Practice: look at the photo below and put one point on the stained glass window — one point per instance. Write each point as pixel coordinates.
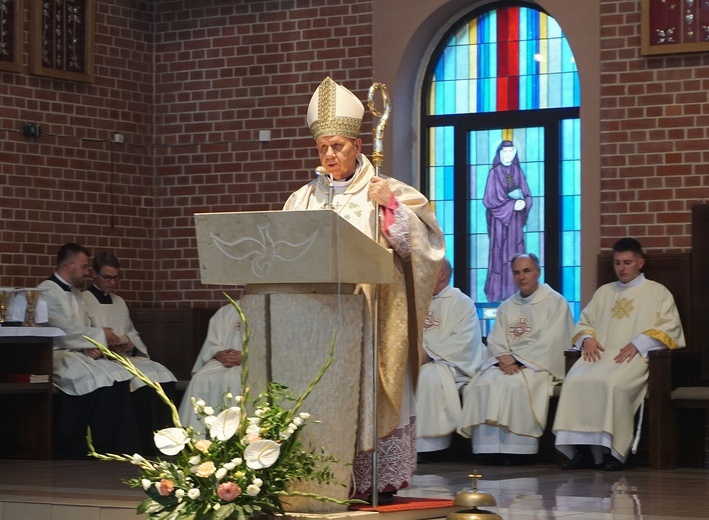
(504, 81)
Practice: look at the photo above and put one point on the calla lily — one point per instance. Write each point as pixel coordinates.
(171, 441)
(226, 424)
(262, 454)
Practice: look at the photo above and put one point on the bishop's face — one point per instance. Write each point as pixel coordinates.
(338, 155)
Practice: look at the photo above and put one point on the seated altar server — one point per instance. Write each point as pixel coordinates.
(93, 391)
(106, 309)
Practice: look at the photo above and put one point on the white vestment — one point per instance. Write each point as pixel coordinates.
(75, 373)
(599, 399)
(117, 317)
(418, 243)
(453, 340)
(210, 378)
(508, 413)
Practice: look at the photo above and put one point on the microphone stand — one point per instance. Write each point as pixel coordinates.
(322, 172)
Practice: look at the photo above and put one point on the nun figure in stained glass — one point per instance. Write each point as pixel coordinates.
(508, 201)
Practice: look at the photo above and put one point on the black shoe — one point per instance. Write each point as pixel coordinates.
(385, 498)
(583, 459)
(516, 459)
(610, 463)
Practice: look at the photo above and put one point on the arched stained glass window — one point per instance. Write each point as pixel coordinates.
(501, 150)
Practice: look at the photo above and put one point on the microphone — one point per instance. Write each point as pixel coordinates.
(322, 172)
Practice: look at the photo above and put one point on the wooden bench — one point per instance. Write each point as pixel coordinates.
(679, 381)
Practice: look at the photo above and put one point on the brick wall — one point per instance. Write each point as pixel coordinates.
(654, 135)
(223, 73)
(73, 183)
(189, 88)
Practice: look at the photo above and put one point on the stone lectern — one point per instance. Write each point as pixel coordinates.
(301, 269)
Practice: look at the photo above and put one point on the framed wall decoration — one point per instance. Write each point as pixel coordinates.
(673, 26)
(11, 36)
(62, 39)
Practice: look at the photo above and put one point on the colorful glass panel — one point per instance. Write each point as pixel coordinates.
(507, 59)
(512, 58)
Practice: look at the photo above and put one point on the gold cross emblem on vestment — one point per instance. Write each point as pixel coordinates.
(622, 308)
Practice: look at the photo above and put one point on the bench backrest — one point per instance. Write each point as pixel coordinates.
(173, 336)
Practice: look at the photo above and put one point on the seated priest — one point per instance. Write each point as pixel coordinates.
(218, 366)
(605, 388)
(505, 405)
(453, 343)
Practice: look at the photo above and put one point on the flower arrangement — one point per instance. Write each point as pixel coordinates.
(242, 467)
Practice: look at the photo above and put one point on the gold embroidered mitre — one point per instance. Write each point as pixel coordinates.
(334, 110)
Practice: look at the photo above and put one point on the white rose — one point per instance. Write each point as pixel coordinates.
(229, 466)
(193, 493)
(146, 484)
(180, 493)
(258, 482)
(194, 460)
(252, 490)
(209, 410)
(221, 472)
(237, 461)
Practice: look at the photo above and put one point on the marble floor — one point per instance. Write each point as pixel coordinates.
(93, 490)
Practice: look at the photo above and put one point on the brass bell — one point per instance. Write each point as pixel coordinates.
(474, 500)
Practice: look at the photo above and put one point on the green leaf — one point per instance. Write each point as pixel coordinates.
(149, 506)
(224, 512)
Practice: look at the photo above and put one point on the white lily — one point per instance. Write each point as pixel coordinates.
(262, 454)
(171, 441)
(226, 424)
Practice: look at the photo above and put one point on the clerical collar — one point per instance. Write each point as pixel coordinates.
(60, 282)
(342, 184)
(530, 298)
(101, 296)
(634, 282)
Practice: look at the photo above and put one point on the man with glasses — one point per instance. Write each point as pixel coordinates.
(93, 392)
(108, 310)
